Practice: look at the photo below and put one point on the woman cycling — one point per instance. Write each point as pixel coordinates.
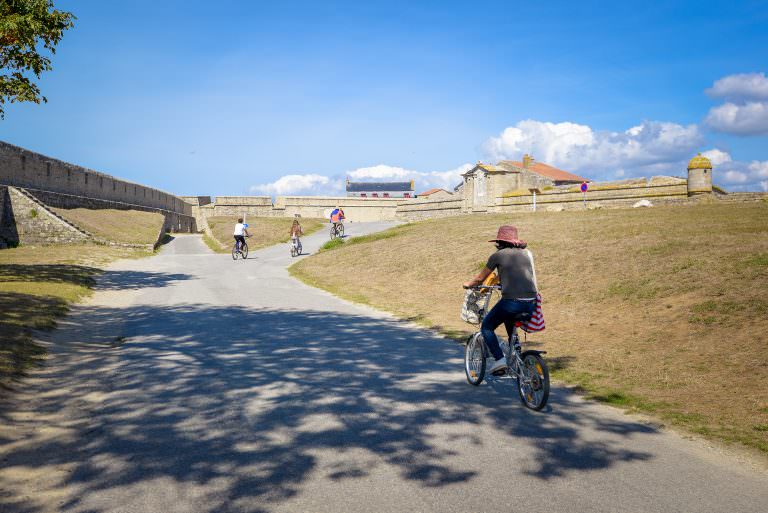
(518, 288)
(296, 232)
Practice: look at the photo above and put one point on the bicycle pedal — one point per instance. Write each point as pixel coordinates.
(499, 372)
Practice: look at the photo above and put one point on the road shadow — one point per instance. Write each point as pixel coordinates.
(21, 313)
(87, 276)
(204, 395)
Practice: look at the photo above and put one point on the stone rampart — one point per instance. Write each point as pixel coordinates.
(356, 209)
(416, 210)
(27, 221)
(598, 196)
(23, 168)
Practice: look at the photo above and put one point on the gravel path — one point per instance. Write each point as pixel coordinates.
(193, 383)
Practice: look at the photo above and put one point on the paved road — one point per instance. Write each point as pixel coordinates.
(193, 383)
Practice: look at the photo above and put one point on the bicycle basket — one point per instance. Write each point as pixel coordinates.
(472, 308)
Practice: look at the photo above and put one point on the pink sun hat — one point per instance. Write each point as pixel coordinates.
(508, 233)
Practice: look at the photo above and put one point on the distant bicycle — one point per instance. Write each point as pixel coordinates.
(296, 247)
(527, 367)
(337, 230)
(240, 250)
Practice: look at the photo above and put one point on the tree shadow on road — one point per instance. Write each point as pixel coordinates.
(242, 401)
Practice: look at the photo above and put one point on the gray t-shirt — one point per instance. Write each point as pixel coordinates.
(515, 268)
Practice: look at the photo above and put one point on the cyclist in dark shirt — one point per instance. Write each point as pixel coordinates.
(514, 264)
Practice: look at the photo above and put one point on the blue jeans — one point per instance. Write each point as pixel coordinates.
(505, 311)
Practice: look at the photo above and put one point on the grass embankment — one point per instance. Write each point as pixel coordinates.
(661, 310)
(124, 226)
(265, 231)
(36, 286)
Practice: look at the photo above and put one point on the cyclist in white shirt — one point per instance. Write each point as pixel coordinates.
(241, 232)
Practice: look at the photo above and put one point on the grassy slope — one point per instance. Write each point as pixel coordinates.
(265, 231)
(128, 226)
(36, 286)
(664, 310)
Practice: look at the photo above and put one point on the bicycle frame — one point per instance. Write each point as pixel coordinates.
(507, 347)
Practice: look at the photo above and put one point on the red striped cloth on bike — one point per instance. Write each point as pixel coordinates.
(536, 323)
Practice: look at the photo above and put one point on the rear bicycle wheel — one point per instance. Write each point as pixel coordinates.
(235, 252)
(533, 381)
(299, 249)
(244, 251)
(474, 359)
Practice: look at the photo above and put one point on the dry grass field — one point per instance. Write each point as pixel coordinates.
(265, 231)
(36, 286)
(661, 310)
(127, 226)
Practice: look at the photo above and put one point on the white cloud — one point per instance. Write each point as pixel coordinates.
(742, 176)
(320, 185)
(717, 157)
(741, 87)
(650, 147)
(745, 111)
(433, 179)
(758, 168)
(735, 177)
(741, 119)
(296, 184)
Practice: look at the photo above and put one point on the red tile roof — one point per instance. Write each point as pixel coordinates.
(430, 191)
(548, 171)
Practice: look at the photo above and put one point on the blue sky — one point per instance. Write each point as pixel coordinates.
(237, 97)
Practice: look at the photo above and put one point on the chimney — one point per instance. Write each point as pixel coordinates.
(528, 161)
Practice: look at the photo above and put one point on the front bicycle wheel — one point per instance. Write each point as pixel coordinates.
(533, 381)
(474, 359)
(299, 249)
(244, 251)
(340, 231)
(333, 232)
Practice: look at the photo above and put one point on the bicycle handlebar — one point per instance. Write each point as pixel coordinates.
(485, 287)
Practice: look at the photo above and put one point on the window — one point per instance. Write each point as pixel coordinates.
(101, 182)
(406, 195)
(363, 195)
(86, 178)
(48, 169)
(386, 195)
(375, 194)
(23, 162)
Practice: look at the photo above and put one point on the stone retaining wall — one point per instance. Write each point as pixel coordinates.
(356, 209)
(174, 221)
(26, 221)
(26, 169)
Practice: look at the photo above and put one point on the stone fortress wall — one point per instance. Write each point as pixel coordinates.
(660, 190)
(356, 209)
(56, 183)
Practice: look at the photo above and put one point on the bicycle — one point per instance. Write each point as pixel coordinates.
(296, 248)
(527, 367)
(337, 230)
(237, 250)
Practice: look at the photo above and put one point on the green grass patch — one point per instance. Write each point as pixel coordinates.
(332, 244)
(213, 244)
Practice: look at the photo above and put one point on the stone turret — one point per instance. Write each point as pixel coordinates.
(699, 175)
